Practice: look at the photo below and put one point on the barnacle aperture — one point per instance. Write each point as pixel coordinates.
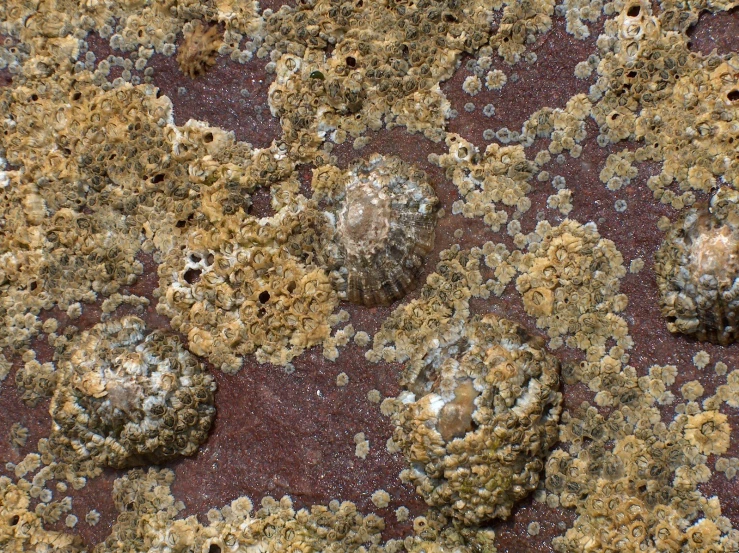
(697, 270)
(477, 422)
(124, 398)
(384, 218)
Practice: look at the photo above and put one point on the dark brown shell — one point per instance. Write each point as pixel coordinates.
(384, 220)
(697, 270)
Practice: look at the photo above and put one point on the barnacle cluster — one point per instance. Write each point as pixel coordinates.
(570, 281)
(389, 68)
(641, 493)
(258, 288)
(415, 328)
(384, 219)
(500, 177)
(680, 105)
(96, 178)
(697, 270)
(147, 523)
(125, 398)
(477, 422)
(22, 528)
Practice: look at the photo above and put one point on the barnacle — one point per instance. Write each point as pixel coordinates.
(384, 221)
(709, 430)
(476, 423)
(199, 49)
(697, 270)
(124, 398)
(18, 435)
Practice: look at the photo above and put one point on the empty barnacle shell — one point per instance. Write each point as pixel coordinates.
(697, 270)
(124, 398)
(384, 220)
(477, 422)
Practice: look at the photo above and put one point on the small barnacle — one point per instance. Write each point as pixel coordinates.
(18, 435)
(697, 270)
(636, 265)
(362, 446)
(5, 366)
(92, 517)
(559, 182)
(70, 521)
(701, 359)
(472, 85)
(495, 79)
(583, 70)
(362, 339)
(692, 390)
(709, 431)
(199, 49)
(381, 499)
(374, 396)
(384, 223)
(124, 398)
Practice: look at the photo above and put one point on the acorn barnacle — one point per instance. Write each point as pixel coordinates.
(697, 270)
(199, 49)
(125, 398)
(478, 420)
(384, 220)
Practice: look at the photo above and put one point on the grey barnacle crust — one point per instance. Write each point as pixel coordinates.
(125, 398)
(479, 420)
(384, 219)
(697, 270)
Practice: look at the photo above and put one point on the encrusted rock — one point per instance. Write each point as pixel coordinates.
(125, 399)
(384, 218)
(22, 526)
(478, 420)
(697, 269)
